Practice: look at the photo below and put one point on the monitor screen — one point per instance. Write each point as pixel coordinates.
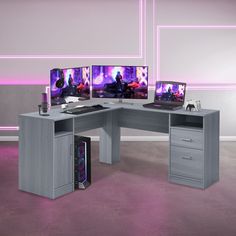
(69, 85)
(128, 82)
(170, 92)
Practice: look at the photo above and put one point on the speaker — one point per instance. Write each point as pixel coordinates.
(44, 105)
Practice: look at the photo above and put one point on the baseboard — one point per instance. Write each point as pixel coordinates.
(227, 138)
(138, 138)
(145, 138)
(130, 138)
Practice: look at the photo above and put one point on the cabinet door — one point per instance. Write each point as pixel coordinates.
(63, 157)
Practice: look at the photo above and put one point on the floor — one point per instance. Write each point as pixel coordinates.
(132, 197)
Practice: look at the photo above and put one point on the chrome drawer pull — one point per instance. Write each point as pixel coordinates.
(187, 158)
(187, 140)
(71, 150)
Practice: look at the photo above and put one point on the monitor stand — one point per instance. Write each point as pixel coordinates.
(120, 102)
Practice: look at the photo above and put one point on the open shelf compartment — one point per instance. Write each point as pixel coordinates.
(63, 126)
(186, 121)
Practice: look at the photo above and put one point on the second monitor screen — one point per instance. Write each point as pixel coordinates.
(129, 82)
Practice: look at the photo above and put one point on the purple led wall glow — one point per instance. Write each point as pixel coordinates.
(71, 56)
(23, 80)
(154, 42)
(215, 86)
(143, 32)
(9, 128)
(194, 86)
(205, 87)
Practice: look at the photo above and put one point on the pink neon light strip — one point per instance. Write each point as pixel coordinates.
(230, 86)
(197, 26)
(140, 56)
(23, 81)
(143, 33)
(208, 87)
(69, 57)
(200, 86)
(9, 128)
(141, 28)
(154, 40)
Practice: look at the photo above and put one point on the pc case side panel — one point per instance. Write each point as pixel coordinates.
(82, 162)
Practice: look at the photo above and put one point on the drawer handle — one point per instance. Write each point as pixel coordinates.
(187, 158)
(71, 150)
(187, 140)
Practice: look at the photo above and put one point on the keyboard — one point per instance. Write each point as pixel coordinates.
(84, 109)
(162, 107)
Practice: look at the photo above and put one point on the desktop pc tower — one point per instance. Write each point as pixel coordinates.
(82, 162)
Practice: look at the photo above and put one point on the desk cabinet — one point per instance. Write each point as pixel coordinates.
(45, 156)
(186, 155)
(63, 161)
(194, 153)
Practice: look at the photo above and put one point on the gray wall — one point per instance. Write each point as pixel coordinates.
(109, 32)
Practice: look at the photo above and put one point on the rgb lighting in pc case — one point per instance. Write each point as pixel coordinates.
(82, 162)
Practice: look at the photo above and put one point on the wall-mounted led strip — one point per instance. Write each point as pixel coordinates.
(9, 128)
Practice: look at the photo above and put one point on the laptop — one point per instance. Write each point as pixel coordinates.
(169, 95)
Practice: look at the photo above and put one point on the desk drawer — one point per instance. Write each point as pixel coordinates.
(186, 162)
(186, 138)
(144, 120)
(90, 121)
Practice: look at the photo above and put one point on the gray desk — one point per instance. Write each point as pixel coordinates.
(46, 144)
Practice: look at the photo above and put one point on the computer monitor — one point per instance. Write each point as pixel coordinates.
(69, 85)
(122, 82)
(170, 92)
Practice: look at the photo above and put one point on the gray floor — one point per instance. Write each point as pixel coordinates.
(132, 197)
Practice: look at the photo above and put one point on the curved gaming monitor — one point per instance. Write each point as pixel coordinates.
(122, 82)
(69, 85)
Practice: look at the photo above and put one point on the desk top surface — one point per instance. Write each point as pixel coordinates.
(56, 113)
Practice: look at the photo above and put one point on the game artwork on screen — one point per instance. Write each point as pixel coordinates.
(170, 92)
(69, 83)
(129, 82)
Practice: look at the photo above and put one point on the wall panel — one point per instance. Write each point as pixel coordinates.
(57, 27)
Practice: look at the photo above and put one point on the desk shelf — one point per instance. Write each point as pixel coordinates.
(188, 121)
(63, 126)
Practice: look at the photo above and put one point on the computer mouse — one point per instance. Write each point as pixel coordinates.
(97, 106)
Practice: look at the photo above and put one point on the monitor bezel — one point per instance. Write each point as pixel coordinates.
(91, 81)
(156, 101)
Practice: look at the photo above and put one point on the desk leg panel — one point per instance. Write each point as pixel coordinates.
(36, 156)
(109, 149)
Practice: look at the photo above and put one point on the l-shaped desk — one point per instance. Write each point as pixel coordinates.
(46, 144)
